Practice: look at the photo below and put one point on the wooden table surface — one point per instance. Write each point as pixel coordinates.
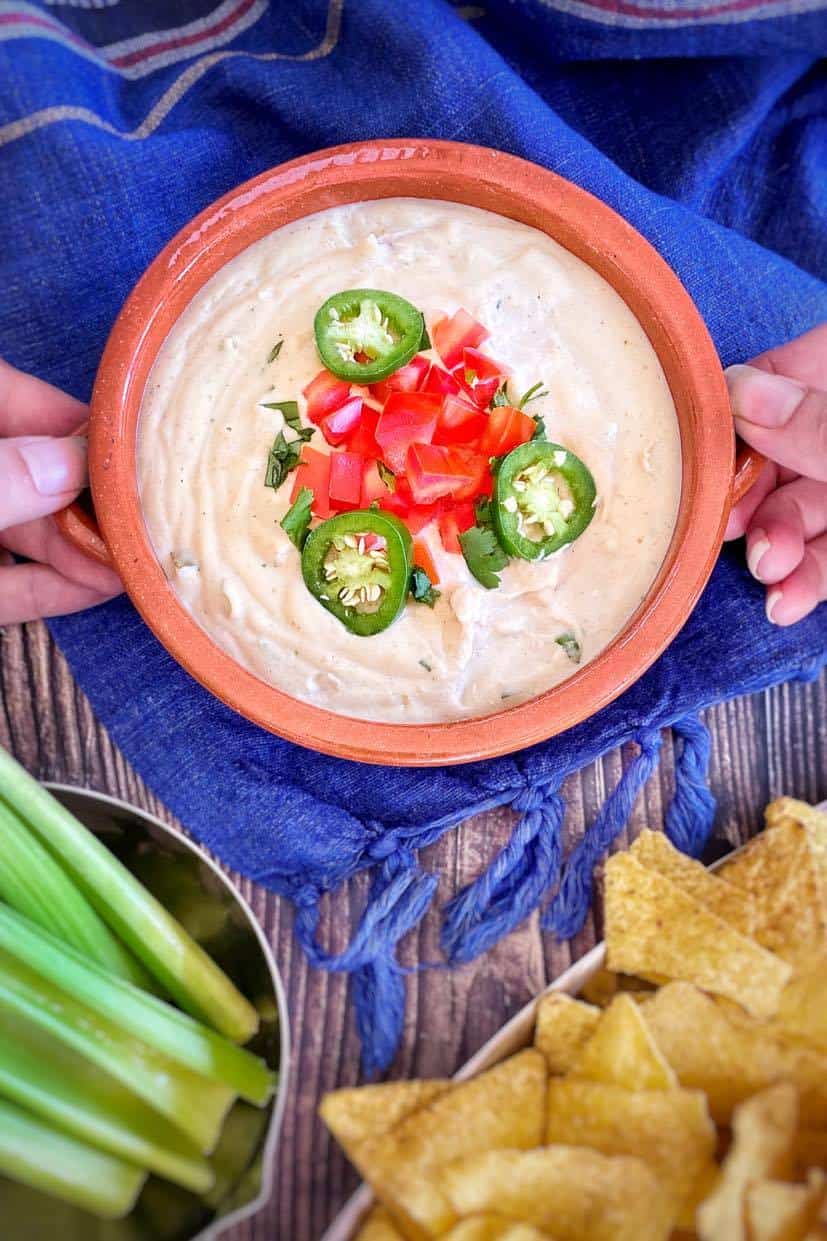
(766, 745)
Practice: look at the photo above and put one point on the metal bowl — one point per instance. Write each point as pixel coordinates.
(192, 887)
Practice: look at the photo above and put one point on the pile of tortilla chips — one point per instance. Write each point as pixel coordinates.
(684, 1094)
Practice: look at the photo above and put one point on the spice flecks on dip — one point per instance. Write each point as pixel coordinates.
(246, 343)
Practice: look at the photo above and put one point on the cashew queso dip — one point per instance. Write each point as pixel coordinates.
(247, 342)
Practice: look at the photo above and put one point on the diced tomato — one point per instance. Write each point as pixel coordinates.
(454, 522)
(507, 428)
(346, 478)
(449, 532)
(313, 471)
(465, 515)
(407, 379)
(363, 439)
(343, 422)
(418, 516)
(441, 381)
(435, 471)
(424, 559)
(459, 422)
(373, 486)
(324, 394)
(451, 336)
(479, 376)
(478, 468)
(407, 418)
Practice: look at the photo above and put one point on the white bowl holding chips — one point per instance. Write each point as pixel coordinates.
(516, 1035)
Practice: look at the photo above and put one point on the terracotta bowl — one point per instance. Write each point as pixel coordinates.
(454, 172)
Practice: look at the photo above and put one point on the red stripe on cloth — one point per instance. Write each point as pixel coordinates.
(667, 15)
(167, 45)
(29, 19)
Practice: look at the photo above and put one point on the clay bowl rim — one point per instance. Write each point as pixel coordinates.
(517, 189)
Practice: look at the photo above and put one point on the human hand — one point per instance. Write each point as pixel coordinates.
(42, 467)
(780, 405)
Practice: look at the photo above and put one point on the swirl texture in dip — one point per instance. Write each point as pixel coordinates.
(204, 437)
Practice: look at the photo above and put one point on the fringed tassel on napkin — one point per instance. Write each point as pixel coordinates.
(688, 819)
(567, 912)
(400, 893)
(509, 890)
(515, 882)
(690, 814)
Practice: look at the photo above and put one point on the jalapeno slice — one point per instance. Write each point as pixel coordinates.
(370, 324)
(358, 566)
(544, 499)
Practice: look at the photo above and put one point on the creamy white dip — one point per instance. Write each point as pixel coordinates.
(204, 437)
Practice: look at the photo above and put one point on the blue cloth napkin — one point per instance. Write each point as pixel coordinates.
(120, 120)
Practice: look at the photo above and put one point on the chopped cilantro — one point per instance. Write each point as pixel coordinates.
(289, 409)
(276, 350)
(532, 394)
(285, 454)
(571, 646)
(424, 340)
(422, 588)
(483, 555)
(482, 512)
(539, 429)
(388, 477)
(282, 458)
(501, 397)
(296, 520)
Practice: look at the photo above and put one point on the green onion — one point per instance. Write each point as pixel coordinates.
(157, 1024)
(242, 1135)
(34, 883)
(55, 1083)
(188, 974)
(194, 1105)
(57, 1164)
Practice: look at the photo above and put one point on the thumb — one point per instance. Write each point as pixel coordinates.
(781, 418)
(40, 475)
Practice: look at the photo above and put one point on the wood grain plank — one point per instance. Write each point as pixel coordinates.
(768, 744)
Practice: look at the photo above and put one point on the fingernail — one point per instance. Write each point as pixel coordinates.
(772, 600)
(761, 398)
(56, 465)
(758, 545)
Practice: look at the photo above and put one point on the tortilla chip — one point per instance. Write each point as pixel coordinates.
(654, 851)
(763, 1130)
(785, 809)
(778, 1211)
(503, 1107)
(563, 1028)
(574, 1193)
(731, 1057)
(670, 1130)
(654, 929)
(359, 1112)
(495, 1228)
(802, 1011)
(601, 988)
(810, 1150)
(623, 1052)
(705, 1185)
(780, 871)
(378, 1226)
(604, 985)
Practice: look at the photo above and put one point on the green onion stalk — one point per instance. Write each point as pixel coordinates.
(162, 1027)
(33, 882)
(191, 1103)
(186, 972)
(54, 1082)
(55, 1163)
